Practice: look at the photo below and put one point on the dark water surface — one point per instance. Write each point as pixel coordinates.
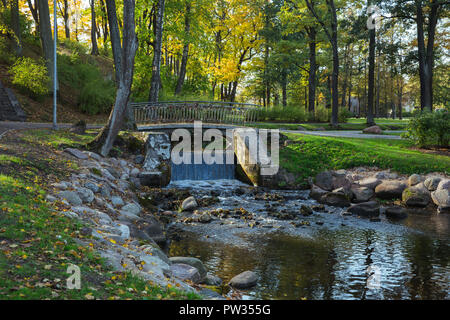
(407, 259)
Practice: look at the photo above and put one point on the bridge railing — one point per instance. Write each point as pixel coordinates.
(190, 111)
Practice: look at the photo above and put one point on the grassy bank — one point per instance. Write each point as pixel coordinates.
(357, 126)
(311, 155)
(37, 242)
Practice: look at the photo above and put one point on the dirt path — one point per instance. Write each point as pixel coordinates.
(6, 126)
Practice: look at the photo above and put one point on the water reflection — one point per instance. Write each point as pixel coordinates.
(334, 264)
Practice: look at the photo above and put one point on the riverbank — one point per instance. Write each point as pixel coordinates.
(99, 217)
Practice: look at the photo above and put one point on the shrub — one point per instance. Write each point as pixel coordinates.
(429, 129)
(96, 94)
(344, 115)
(96, 97)
(283, 114)
(30, 77)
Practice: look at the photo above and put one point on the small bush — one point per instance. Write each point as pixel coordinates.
(283, 114)
(429, 129)
(344, 115)
(31, 77)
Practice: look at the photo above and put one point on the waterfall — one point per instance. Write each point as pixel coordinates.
(202, 171)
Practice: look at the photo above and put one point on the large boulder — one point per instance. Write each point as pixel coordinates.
(390, 189)
(324, 180)
(335, 199)
(432, 183)
(373, 130)
(76, 153)
(444, 185)
(194, 262)
(361, 194)
(370, 183)
(185, 272)
(368, 209)
(244, 280)
(416, 196)
(317, 192)
(396, 213)
(414, 180)
(441, 198)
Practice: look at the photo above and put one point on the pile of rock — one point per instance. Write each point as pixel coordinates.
(101, 195)
(359, 190)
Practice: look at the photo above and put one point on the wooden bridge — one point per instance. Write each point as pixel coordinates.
(231, 113)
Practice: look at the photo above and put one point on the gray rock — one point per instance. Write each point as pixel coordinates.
(86, 195)
(306, 210)
(61, 185)
(204, 218)
(94, 155)
(414, 179)
(390, 189)
(72, 197)
(117, 201)
(185, 272)
(134, 172)
(76, 153)
(317, 193)
(212, 280)
(50, 198)
(444, 185)
(107, 174)
(132, 208)
(335, 199)
(344, 190)
(362, 194)
(324, 180)
(246, 279)
(70, 214)
(105, 191)
(396, 213)
(189, 204)
(92, 186)
(370, 183)
(194, 262)
(441, 197)
(366, 209)
(113, 172)
(416, 196)
(432, 183)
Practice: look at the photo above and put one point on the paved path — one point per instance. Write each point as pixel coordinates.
(7, 125)
(347, 134)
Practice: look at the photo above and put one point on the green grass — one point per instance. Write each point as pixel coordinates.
(37, 241)
(357, 126)
(312, 155)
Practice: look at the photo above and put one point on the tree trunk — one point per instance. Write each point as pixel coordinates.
(284, 88)
(370, 102)
(94, 51)
(115, 38)
(426, 55)
(66, 17)
(105, 139)
(45, 31)
(155, 84)
(335, 79)
(15, 23)
(312, 70)
(35, 13)
(184, 59)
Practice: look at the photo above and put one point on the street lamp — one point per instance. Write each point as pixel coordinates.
(55, 74)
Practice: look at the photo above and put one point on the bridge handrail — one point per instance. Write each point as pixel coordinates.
(208, 103)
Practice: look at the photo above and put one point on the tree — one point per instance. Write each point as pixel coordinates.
(184, 59)
(45, 31)
(103, 142)
(15, 22)
(94, 51)
(64, 10)
(331, 33)
(155, 84)
(370, 95)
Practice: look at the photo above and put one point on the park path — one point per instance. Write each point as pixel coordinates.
(9, 125)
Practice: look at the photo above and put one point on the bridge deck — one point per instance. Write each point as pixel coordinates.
(174, 126)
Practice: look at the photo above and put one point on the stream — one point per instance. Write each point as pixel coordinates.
(325, 255)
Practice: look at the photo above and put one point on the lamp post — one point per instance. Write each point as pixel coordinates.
(55, 74)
